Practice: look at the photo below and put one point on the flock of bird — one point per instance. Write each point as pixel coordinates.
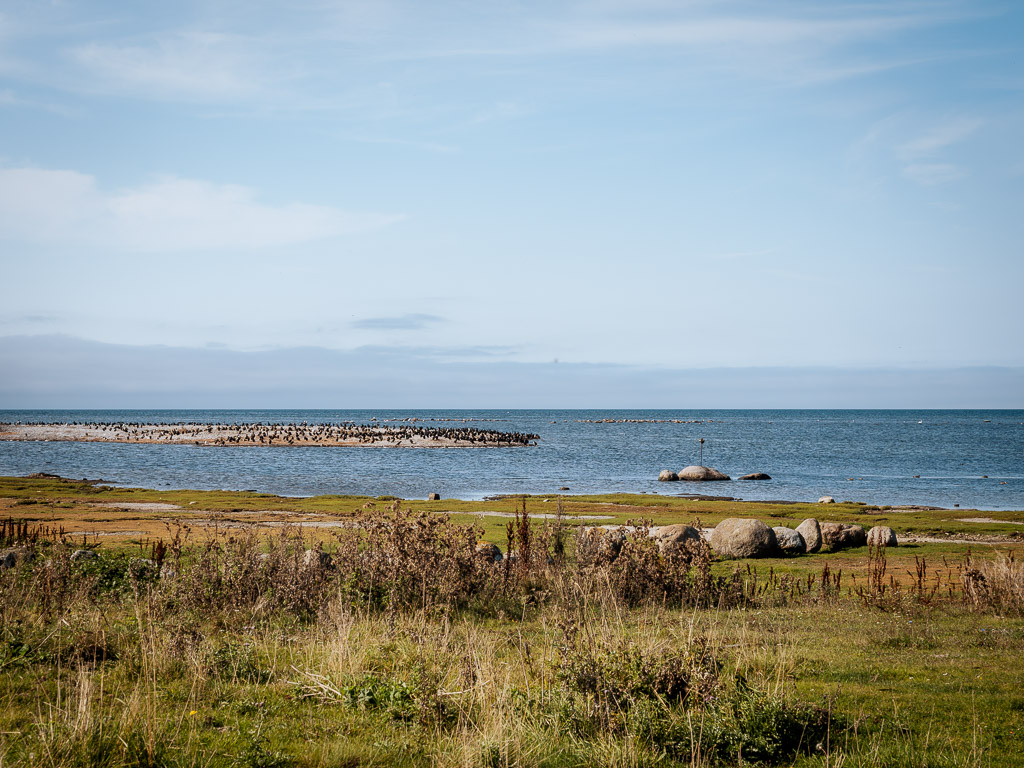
(253, 434)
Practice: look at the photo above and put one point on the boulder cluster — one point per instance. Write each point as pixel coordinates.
(744, 537)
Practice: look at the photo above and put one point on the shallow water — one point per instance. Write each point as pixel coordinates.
(869, 456)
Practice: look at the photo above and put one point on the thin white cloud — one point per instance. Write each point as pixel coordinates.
(740, 30)
(408, 322)
(940, 136)
(194, 65)
(933, 174)
(165, 215)
(11, 99)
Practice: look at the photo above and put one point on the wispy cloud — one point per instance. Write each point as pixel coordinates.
(922, 155)
(940, 136)
(200, 65)
(933, 174)
(409, 322)
(167, 214)
(9, 98)
(332, 50)
(443, 353)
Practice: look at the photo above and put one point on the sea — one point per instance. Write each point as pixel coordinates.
(973, 459)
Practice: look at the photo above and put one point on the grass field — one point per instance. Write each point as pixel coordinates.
(211, 631)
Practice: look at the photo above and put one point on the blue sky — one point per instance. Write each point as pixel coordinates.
(660, 184)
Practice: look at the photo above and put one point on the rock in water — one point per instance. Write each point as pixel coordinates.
(672, 538)
(738, 537)
(842, 536)
(700, 474)
(667, 476)
(826, 500)
(882, 536)
(811, 532)
(789, 541)
(756, 476)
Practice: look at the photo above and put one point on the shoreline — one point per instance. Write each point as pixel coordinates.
(97, 508)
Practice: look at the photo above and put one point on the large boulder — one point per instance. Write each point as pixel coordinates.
(740, 537)
(756, 476)
(700, 474)
(882, 536)
(789, 541)
(82, 555)
(811, 531)
(673, 538)
(667, 476)
(842, 536)
(826, 500)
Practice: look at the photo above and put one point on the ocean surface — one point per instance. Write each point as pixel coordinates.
(938, 458)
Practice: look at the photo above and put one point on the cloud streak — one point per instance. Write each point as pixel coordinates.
(165, 215)
(194, 65)
(409, 322)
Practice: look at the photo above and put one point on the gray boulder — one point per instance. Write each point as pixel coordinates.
(83, 555)
(826, 500)
(673, 538)
(142, 568)
(756, 476)
(489, 551)
(13, 556)
(811, 531)
(739, 537)
(789, 541)
(316, 558)
(667, 476)
(882, 536)
(601, 543)
(700, 474)
(836, 536)
(433, 497)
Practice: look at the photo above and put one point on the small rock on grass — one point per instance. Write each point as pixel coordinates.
(489, 551)
(882, 536)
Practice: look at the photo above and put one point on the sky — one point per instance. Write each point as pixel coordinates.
(660, 186)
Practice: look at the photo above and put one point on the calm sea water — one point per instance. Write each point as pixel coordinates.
(869, 456)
